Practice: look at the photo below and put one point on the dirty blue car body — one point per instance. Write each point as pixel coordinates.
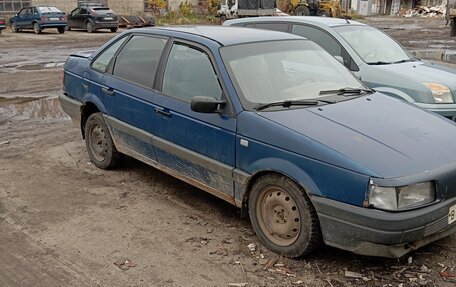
(39, 18)
(378, 60)
(313, 161)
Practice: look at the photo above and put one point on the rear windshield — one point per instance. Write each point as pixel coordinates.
(48, 9)
(102, 10)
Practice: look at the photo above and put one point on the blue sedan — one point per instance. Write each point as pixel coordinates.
(275, 125)
(39, 18)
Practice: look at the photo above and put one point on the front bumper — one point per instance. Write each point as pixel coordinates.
(379, 233)
(446, 110)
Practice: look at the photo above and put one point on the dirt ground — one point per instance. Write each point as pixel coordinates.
(63, 222)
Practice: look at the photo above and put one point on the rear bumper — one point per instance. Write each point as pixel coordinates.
(378, 233)
(52, 25)
(105, 25)
(72, 108)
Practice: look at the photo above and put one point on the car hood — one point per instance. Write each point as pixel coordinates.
(420, 71)
(389, 137)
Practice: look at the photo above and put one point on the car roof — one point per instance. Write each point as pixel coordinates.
(327, 21)
(227, 35)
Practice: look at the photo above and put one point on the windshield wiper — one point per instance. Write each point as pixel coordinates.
(379, 63)
(404, 61)
(341, 92)
(287, 104)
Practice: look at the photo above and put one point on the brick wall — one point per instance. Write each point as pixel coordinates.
(131, 7)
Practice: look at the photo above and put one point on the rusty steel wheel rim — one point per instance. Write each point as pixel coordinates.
(278, 216)
(98, 142)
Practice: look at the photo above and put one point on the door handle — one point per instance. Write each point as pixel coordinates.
(162, 112)
(108, 91)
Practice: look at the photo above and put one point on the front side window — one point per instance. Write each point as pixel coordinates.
(373, 46)
(277, 71)
(189, 73)
(138, 60)
(102, 61)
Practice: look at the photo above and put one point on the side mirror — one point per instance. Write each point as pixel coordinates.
(206, 105)
(340, 59)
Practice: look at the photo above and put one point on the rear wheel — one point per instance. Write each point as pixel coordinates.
(113, 30)
(61, 30)
(89, 27)
(102, 152)
(283, 216)
(302, 11)
(36, 28)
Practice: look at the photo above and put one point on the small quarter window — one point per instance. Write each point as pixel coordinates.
(102, 61)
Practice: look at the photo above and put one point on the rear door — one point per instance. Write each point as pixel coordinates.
(199, 146)
(129, 95)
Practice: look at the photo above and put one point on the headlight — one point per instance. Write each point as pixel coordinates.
(441, 93)
(401, 197)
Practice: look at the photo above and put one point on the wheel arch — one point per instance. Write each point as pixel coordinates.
(294, 173)
(92, 104)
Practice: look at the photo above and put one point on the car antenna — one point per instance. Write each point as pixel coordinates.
(346, 19)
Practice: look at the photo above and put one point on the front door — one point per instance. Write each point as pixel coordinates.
(199, 146)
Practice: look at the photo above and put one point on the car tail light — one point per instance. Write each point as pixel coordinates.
(44, 19)
(63, 18)
(2, 21)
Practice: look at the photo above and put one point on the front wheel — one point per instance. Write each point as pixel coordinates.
(102, 152)
(283, 216)
(36, 28)
(14, 28)
(89, 27)
(61, 30)
(113, 30)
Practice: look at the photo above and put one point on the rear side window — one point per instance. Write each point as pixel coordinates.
(189, 73)
(138, 60)
(102, 61)
(282, 27)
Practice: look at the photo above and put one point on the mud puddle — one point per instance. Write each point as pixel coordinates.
(29, 108)
(34, 67)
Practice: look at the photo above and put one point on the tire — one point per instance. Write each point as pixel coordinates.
(283, 216)
(14, 28)
(68, 28)
(302, 11)
(102, 152)
(36, 28)
(61, 30)
(89, 27)
(114, 30)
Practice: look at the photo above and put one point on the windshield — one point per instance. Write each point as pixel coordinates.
(373, 46)
(268, 72)
(48, 10)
